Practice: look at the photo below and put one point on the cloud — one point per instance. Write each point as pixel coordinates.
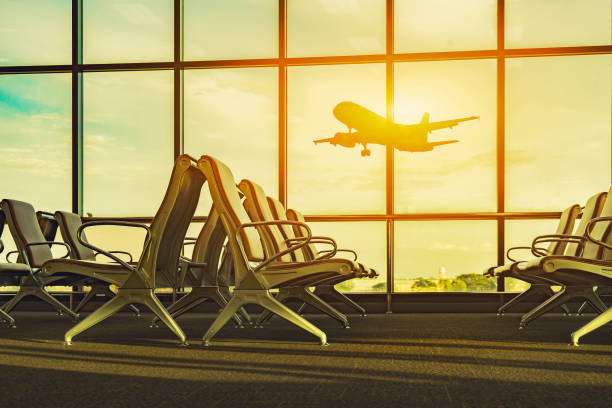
(340, 6)
(137, 14)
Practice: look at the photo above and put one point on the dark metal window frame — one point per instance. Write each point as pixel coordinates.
(389, 58)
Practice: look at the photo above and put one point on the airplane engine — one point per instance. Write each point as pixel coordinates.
(344, 139)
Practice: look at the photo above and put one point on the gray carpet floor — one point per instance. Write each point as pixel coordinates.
(399, 360)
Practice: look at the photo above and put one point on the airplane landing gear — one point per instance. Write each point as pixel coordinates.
(365, 152)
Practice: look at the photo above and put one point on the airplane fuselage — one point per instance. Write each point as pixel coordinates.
(371, 128)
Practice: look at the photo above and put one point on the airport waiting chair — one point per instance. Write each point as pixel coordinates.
(158, 262)
(69, 223)
(273, 242)
(33, 251)
(571, 271)
(326, 290)
(256, 274)
(538, 288)
(201, 272)
(4, 317)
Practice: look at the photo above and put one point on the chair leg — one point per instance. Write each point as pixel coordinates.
(566, 294)
(90, 295)
(266, 315)
(228, 311)
(5, 317)
(10, 305)
(42, 294)
(597, 322)
(582, 307)
(225, 293)
(153, 303)
(267, 301)
(103, 312)
(109, 294)
(192, 299)
(332, 292)
(307, 296)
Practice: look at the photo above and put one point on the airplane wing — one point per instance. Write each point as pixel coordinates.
(328, 140)
(434, 144)
(448, 123)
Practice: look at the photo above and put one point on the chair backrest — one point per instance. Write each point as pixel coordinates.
(227, 203)
(48, 225)
(258, 210)
(310, 250)
(592, 208)
(565, 226)
(158, 262)
(601, 231)
(69, 223)
(208, 248)
(24, 227)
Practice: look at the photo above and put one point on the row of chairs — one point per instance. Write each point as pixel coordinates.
(579, 261)
(253, 244)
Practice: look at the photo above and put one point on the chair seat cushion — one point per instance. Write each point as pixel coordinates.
(14, 269)
(112, 273)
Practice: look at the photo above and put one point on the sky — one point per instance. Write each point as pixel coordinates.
(558, 115)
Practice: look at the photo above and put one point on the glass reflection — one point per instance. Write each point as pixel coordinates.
(232, 114)
(459, 177)
(35, 32)
(438, 256)
(327, 179)
(128, 142)
(127, 31)
(230, 29)
(445, 25)
(343, 27)
(558, 116)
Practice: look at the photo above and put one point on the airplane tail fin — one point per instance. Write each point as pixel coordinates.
(425, 118)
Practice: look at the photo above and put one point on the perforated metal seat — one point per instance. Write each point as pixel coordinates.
(255, 273)
(33, 250)
(581, 274)
(158, 263)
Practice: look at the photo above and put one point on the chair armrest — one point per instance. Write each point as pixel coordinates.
(116, 223)
(317, 239)
(50, 243)
(279, 254)
(119, 252)
(339, 250)
(539, 250)
(589, 229)
(1, 246)
(9, 254)
(572, 239)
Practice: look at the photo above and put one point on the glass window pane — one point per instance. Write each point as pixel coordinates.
(438, 256)
(232, 114)
(460, 176)
(35, 32)
(230, 29)
(128, 141)
(522, 233)
(558, 115)
(557, 23)
(326, 179)
(35, 139)
(445, 25)
(127, 31)
(335, 27)
(368, 239)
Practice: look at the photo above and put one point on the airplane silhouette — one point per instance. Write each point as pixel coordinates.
(374, 129)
